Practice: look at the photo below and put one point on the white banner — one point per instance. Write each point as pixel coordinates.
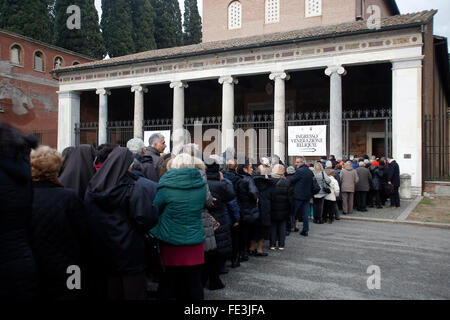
(165, 133)
(307, 141)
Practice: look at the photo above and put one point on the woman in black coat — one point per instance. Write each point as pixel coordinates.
(281, 203)
(223, 193)
(58, 228)
(377, 180)
(261, 229)
(248, 197)
(121, 212)
(18, 275)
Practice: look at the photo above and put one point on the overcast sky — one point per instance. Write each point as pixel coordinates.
(441, 21)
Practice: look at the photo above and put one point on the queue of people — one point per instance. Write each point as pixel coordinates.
(130, 217)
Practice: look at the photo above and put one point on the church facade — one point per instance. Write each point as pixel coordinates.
(268, 65)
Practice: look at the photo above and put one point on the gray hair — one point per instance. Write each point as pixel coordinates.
(302, 159)
(290, 170)
(328, 164)
(135, 145)
(361, 164)
(156, 137)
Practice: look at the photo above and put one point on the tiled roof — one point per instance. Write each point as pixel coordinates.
(307, 34)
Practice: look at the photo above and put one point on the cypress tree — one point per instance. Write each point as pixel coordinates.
(143, 25)
(168, 31)
(88, 39)
(30, 18)
(192, 23)
(117, 27)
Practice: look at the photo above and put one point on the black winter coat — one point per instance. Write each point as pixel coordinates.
(18, 275)
(119, 218)
(281, 200)
(59, 236)
(265, 188)
(223, 192)
(377, 177)
(246, 193)
(148, 169)
(394, 174)
(302, 181)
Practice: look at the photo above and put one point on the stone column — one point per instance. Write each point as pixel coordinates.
(68, 116)
(103, 115)
(178, 114)
(227, 83)
(407, 119)
(138, 110)
(279, 114)
(335, 73)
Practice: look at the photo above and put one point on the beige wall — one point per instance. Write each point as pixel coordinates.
(292, 16)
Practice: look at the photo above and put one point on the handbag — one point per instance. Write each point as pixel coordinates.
(325, 186)
(315, 188)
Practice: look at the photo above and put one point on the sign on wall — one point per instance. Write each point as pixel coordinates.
(307, 140)
(165, 133)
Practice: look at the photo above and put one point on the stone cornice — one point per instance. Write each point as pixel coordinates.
(283, 53)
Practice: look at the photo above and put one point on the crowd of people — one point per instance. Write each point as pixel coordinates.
(130, 217)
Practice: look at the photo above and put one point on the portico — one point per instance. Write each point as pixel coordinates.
(402, 49)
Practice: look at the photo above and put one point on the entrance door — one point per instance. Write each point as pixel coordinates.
(378, 147)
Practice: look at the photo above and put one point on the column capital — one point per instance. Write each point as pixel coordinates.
(103, 91)
(138, 88)
(335, 69)
(178, 84)
(228, 80)
(279, 75)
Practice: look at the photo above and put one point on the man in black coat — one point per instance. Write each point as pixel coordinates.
(302, 181)
(394, 179)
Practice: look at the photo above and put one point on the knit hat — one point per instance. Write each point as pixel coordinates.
(375, 163)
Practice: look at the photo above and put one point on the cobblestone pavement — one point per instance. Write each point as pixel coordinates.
(332, 263)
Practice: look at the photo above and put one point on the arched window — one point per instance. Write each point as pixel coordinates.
(272, 11)
(39, 61)
(58, 62)
(313, 8)
(16, 54)
(235, 15)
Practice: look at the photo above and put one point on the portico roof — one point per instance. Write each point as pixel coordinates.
(295, 36)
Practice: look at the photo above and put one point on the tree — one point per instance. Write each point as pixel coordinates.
(30, 18)
(88, 39)
(192, 23)
(117, 27)
(168, 31)
(143, 25)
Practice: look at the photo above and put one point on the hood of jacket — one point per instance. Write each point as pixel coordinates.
(183, 178)
(115, 196)
(144, 159)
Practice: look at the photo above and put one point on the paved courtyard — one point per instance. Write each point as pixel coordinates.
(332, 263)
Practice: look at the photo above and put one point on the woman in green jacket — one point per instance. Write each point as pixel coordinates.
(181, 197)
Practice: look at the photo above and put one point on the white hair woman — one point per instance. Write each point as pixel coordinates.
(181, 198)
(324, 181)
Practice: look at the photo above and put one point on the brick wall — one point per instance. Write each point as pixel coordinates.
(28, 98)
(292, 16)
